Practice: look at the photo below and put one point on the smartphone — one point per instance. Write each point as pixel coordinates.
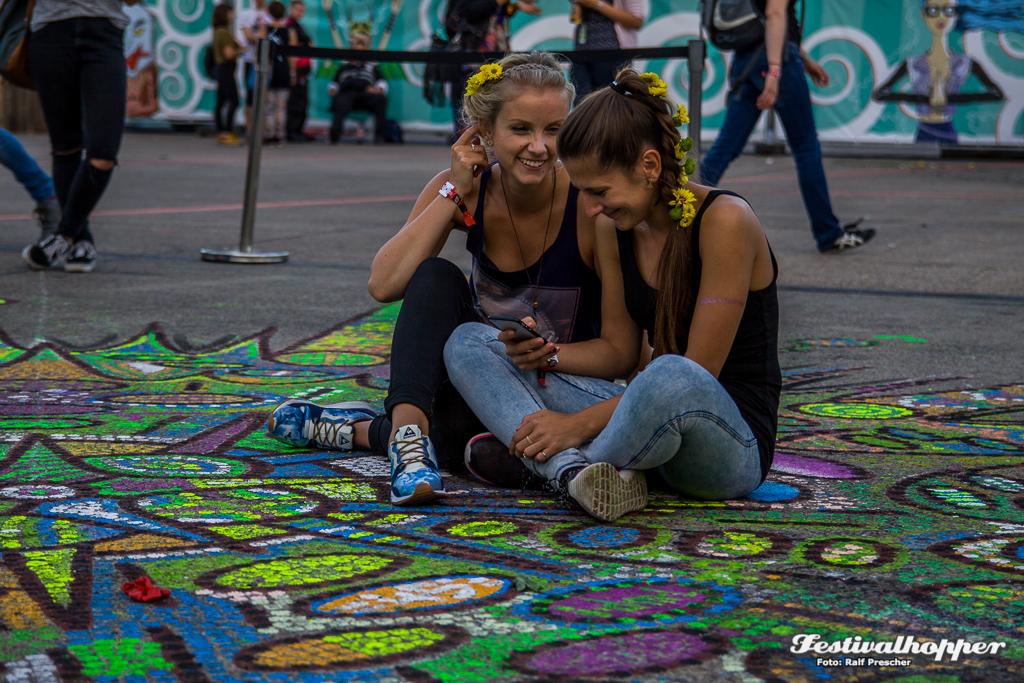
(504, 322)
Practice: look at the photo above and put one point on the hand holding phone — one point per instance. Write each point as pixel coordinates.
(522, 330)
(536, 357)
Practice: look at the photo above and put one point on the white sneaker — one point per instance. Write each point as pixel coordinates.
(607, 493)
(850, 239)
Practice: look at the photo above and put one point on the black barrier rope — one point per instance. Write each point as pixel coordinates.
(426, 57)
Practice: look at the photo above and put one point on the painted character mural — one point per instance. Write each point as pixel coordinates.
(938, 77)
(138, 57)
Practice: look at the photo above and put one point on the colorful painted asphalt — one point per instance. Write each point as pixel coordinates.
(894, 509)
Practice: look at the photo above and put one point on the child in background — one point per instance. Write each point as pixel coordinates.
(282, 73)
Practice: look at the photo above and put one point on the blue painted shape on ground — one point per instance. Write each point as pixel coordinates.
(302, 472)
(772, 491)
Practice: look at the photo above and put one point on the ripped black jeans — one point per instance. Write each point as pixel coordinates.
(78, 68)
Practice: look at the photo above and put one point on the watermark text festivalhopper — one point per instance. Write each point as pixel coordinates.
(903, 645)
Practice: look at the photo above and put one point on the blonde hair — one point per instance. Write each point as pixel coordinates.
(519, 70)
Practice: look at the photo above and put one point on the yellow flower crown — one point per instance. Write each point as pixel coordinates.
(487, 72)
(682, 203)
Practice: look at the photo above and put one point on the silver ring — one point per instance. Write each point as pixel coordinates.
(529, 439)
(544, 454)
(472, 146)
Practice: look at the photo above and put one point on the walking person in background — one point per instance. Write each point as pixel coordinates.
(298, 97)
(282, 73)
(602, 25)
(250, 25)
(776, 79)
(225, 52)
(35, 181)
(76, 57)
(358, 86)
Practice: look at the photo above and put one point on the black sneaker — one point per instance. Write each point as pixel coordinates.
(489, 461)
(82, 258)
(48, 214)
(850, 239)
(47, 252)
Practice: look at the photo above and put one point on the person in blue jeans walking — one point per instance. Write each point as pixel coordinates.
(692, 269)
(774, 77)
(35, 181)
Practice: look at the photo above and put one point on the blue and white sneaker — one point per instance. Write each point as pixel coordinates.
(304, 423)
(414, 476)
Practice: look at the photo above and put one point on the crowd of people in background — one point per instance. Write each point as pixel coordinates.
(470, 25)
(86, 130)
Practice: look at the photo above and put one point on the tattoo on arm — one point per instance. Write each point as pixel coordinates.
(722, 301)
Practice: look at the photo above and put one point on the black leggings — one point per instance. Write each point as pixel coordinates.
(227, 97)
(437, 301)
(78, 68)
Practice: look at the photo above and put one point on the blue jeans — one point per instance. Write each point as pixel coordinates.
(793, 107)
(674, 416)
(24, 167)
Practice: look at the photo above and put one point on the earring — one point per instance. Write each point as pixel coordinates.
(650, 184)
(488, 142)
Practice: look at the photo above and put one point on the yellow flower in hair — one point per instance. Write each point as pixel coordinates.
(681, 116)
(487, 72)
(683, 146)
(681, 196)
(682, 211)
(655, 86)
(689, 213)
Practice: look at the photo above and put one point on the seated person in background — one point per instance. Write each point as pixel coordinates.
(359, 86)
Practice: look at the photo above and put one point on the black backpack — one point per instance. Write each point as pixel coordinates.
(732, 24)
(209, 63)
(280, 72)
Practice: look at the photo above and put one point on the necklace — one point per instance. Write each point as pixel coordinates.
(544, 244)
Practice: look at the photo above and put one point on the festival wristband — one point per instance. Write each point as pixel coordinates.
(448, 192)
(552, 362)
(773, 71)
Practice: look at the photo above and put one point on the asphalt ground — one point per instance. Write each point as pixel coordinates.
(940, 289)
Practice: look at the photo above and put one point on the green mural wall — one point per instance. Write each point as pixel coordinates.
(862, 45)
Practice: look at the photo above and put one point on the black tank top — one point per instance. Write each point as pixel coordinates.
(751, 373)
(569, 292)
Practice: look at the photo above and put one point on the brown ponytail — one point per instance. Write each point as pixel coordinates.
(616, 125)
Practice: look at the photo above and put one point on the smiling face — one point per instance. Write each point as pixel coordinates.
(620, 194)
(939, 15)
(524, 133)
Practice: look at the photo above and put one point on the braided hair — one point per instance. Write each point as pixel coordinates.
(614, 126)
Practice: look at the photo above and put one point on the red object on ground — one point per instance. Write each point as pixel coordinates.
(143, 590)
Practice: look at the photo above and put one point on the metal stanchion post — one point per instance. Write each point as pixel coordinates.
(245, 254)
(695, 62)
(770, 145)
